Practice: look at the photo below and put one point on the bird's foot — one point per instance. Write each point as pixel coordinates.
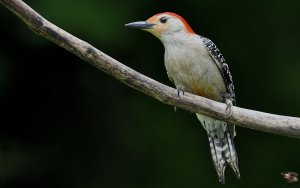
(179, 89)
(228, 109)
(229, 100)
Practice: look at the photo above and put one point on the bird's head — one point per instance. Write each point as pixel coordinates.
(163, 25)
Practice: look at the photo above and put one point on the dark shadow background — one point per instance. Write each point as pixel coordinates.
(66, 124)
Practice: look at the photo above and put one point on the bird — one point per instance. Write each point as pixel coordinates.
(195, 65)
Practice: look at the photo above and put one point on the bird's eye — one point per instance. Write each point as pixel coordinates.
(163, 20)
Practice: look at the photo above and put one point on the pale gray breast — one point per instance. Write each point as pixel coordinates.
(192, 69)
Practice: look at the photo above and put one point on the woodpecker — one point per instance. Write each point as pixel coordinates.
(194, 64)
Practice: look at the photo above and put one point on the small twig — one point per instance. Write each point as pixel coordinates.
(276, 124)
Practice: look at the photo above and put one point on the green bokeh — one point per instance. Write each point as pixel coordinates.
(66, 124)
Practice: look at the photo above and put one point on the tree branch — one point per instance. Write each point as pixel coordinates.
(276, 124)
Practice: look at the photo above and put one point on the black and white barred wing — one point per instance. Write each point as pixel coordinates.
(221, 63)
(220, 134)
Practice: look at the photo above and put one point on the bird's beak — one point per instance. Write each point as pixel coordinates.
(140, 25)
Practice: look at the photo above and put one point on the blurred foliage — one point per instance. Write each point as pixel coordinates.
(66, 124)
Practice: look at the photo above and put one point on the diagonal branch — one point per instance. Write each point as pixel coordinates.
(276, 124)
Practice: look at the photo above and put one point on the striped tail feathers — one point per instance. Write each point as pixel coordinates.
(217, 157)
(223, 152)
(232, 158)
(221, 146)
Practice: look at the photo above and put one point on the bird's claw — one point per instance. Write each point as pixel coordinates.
(229, 100)
(228, 109)
(228, 112)
(178, 91)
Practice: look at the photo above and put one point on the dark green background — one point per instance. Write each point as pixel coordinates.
(66, 124)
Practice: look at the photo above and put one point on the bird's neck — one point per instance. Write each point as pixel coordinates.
(178, 40)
